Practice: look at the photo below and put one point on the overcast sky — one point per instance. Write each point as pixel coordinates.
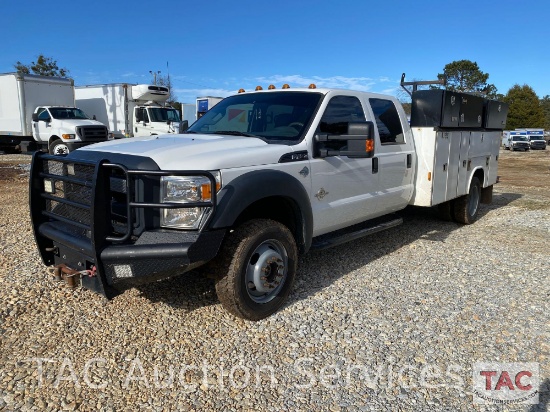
(216, 47)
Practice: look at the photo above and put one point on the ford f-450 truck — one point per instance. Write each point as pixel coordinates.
(259, 179)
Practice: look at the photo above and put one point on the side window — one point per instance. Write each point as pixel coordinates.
(339, 112)
(141, 115)
(43, 114)
(387, 121)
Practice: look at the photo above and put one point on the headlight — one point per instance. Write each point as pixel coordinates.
(186, 189)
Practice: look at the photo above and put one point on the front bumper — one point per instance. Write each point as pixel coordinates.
(81, 224)
(538, 145)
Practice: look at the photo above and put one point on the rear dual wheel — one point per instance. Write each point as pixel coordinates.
(466, 208)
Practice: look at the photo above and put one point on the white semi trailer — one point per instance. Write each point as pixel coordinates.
(130, 110)
(38, 112)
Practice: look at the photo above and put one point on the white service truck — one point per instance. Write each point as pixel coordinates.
(259, 179)
(536, 139)
(38, 112)
(515, 140)
(130, 110)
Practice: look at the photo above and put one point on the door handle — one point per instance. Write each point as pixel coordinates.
(409, 161)
(374, 165)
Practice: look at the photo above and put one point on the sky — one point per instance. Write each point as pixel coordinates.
(214, 48)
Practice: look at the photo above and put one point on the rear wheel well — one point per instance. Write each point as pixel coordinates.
(281, 209)
(480, 174)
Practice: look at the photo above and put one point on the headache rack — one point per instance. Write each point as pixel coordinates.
(96, 203)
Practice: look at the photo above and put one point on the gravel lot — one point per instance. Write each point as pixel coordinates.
(413, 307)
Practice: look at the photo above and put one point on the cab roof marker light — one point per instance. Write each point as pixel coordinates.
(259, 88)
(241, 91)
(271, 87)
(286, 86)
(312, 86)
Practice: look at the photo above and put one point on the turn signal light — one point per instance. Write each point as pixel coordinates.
(369, 146)
(429, 176)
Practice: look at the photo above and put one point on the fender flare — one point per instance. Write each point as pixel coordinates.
(251, 187)
(473, 172)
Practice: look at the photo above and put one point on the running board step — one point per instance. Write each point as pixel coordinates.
(355, 232)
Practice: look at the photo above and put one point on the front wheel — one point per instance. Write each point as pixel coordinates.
(466, 208)
(58, 147)
(258, 263)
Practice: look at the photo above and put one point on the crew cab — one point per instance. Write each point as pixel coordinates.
(259, 179)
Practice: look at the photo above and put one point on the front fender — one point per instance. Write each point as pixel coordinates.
(251, 187)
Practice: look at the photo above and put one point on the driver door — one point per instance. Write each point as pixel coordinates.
(344, 189)
(42, 128)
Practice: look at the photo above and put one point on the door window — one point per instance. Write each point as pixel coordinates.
(340, 111)
(387, 121)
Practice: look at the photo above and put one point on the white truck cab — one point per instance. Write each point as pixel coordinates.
(65, 128)
(258, 179)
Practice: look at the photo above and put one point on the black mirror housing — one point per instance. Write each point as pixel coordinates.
(184, 125)
(359, 138)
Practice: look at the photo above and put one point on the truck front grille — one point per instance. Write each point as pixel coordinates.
(92, 133)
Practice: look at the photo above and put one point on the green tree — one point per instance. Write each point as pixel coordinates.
(465, 76)
(525, 108)
(545, 104)
(44, 66)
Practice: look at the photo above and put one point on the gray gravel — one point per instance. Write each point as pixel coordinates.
(416, 305)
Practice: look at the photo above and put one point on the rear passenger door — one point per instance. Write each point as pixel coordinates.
(344, 190)
(395, 156)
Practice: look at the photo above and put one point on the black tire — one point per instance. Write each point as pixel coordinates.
(466, 208)
(445, 210)
(58, 147)
(256, 268)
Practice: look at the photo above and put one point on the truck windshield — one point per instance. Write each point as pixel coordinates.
(162, 114)
(519, 139)
(274, 116)
(67, 113)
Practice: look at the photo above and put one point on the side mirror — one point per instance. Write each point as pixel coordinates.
(184, 125)
(35, 117)
(93, 117)
(359, 141)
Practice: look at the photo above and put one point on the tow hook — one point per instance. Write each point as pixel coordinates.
(63, 272)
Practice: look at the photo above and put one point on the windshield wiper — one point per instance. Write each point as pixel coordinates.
(234, 133)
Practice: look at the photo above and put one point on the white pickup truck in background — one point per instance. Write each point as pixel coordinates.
(260, 178)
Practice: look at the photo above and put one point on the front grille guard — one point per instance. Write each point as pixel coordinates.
(99, 233)
(132, 204)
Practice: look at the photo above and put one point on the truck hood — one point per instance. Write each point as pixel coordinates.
(72, 123)
(196, 151)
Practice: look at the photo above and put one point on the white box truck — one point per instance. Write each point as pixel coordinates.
(259, 179)
(39, 112)
(130, 110)
(515, 140)
(536, 138)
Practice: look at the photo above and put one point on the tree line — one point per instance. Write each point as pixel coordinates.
(526, 108)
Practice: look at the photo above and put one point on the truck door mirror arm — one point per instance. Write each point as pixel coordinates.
(360, 142)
